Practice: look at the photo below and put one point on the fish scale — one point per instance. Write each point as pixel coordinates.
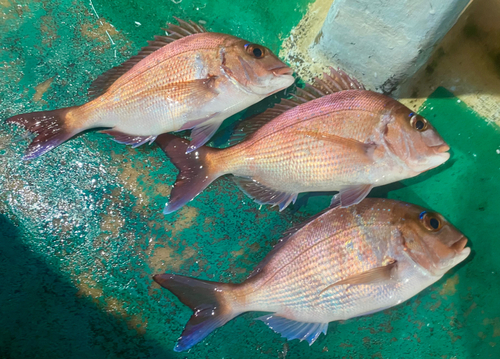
(348, 141)
(189, 79)
(343, 263)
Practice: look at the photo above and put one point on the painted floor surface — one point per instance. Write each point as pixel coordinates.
(81, 228)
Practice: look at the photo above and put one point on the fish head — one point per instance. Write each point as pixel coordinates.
(255, 67)
(414, 140)
(430, 240)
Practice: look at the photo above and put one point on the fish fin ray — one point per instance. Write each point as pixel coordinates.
(371, 276)
(262, 194)
(203, 132)
(206, 299)
(351, 195)
(50, 127)
(195, 174)
(246, 128)
(291, 329)
(362, 147)
(174, 32)
(127, 139)
(335, 81)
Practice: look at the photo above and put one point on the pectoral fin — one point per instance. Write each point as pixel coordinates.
(372, 276)
(351, 195)
(358, 146)
(202, 133)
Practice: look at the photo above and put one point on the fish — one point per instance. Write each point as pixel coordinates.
(189, 79)
(333, 135)
(341, 264)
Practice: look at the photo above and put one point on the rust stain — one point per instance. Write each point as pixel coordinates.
(49, 30)
(495, 322)
(99, 32)
(255, 247)
(435, 306)
(236, 254)
(450, 287)
(471, 308)
(87, 287)
(164, 258)
(186, 219)
(41, 89)
(112, 222)
(453, 337)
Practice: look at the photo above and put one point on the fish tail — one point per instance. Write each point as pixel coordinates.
(51, 129)
(196, 172)
(208, 300)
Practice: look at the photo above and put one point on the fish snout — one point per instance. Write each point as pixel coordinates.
(441, 148)
(280, 71)
(459, 245)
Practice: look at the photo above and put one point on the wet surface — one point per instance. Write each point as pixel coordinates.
(81, 228)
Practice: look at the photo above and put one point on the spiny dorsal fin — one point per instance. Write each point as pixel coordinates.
(335, 81)
(175, 32)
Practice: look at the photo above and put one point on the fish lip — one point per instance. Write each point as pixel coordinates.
(441, 148)
(459, 245)
(283, 70)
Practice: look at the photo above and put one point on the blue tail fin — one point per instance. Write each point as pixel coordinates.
(206, 299)
(50, 127)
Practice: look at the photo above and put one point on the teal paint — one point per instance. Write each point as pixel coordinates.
(81, 228)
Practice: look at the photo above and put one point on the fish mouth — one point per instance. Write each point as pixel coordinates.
(459, 245)
(441, 148)
(280, 71)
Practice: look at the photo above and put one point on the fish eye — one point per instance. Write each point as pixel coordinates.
(430, 221)
(255, 50)
(418, 123)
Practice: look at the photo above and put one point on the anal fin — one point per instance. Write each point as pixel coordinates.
(127, 139)
(292, 329)
(263, 194)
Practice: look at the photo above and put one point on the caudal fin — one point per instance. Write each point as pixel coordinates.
(195, 172)
(206, 299)
(50, 127)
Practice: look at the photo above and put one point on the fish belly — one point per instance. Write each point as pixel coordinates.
(166, 107)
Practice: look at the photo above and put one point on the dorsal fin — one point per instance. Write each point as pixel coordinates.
(335, 81)
(174, 32)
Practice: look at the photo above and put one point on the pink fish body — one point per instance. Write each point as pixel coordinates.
(324, 140)
(344, 263)
(191, 79)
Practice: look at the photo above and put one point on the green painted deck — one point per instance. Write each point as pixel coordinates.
(81, 228)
